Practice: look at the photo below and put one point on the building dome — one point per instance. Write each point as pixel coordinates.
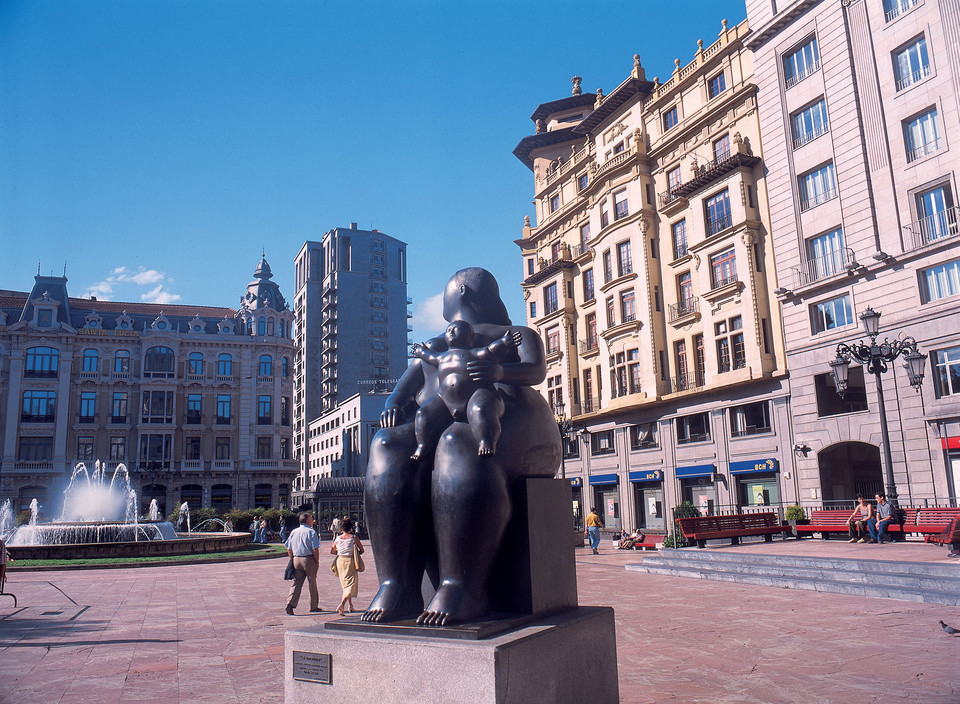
(262, 293)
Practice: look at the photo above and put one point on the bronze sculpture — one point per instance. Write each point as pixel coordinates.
(446, 516)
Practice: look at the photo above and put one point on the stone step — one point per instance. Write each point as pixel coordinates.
(933, 582)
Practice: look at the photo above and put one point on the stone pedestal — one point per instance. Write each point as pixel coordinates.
(570, 657)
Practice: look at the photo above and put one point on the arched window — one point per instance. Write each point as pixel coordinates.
(285, 367)
(42, 362)
(121, 362)
(261, 326)
(270, 326)
(90, 359)
(266, 365)
(159, 362)
(225, 365)
(196, 363)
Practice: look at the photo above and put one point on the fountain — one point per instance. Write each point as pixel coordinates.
(99, 518)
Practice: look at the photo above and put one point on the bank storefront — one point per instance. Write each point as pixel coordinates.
(756, 482)
(648, 499)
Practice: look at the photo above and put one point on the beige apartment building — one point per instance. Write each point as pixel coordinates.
(650, 276)
(860, 126)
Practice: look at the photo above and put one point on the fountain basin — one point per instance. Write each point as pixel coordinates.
(182, 544)
(73, 532)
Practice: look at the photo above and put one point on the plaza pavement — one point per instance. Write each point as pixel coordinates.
(214, 633)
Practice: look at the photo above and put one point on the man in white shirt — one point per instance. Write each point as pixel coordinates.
(303, 546)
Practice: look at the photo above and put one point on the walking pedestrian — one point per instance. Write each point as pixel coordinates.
(594, 524)
(303, 546)
(348, 549)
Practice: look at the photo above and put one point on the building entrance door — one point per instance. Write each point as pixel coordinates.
(848, 469)
(608, 506)
(649, 505)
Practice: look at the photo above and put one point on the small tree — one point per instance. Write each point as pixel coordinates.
(794, 513)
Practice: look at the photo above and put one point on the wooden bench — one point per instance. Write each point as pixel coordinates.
(922, 521)
(934, 521)
(704, 528)
(948, 536)
(649, 541)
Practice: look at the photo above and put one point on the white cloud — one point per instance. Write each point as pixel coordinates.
(123, 278)
(428, 317)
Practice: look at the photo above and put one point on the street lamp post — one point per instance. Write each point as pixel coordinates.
(877, 356)
(569, 431)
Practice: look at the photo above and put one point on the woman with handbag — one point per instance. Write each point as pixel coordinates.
(348, 564)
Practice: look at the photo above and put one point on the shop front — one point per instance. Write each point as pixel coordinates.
(756, 482)
(606, 497)
(576, 487)
(697, 486)
(648, 499)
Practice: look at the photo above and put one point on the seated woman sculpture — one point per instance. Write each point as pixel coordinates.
(446, 518)
(458, 396)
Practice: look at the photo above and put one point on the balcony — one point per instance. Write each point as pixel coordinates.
(670, 198)
(934, 228)
(37, 417)
(683, 309)
(725, 280)
(547, 267)
(817, 199)
(922, 150)
(724, 365)
(899, 7)
(686, 382)
(680, 249)
(836, 262)
(89, 375)
(913, 77)
(590, 345)
(803, 73)
(591, 404)
(715, 169)
(808, 137)
(718, 224)
(86, 420)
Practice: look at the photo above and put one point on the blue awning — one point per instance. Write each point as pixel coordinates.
(752, 466)
(646, 475)
(603, 479)
(696, 470)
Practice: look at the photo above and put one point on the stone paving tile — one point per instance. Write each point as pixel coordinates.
(214, 633)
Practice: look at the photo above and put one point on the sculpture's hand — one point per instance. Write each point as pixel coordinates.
(517, 338)
(391, 417)
(485, 371)
(416, 349)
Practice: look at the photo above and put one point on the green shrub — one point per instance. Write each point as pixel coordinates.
(674, 541)
(686, 510)
(794, 513)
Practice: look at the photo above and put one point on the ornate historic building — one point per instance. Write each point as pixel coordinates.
(195, 401)
(860, 114)
(650, 276)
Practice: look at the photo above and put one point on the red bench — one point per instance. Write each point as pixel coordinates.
(648, 542)
(933, 521)
(924, 521)
(948, 536)
(704, 528)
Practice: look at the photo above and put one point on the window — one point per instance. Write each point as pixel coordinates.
(553, 340)
(716, 85)
(817, 186)
(607, 267)
(670, 119)
(118, 409)
(731, 353)
(264, 410)
(90, 360)
(832, 313)
(554, 391)
(922, 135)
(262, 326)
(265, 367)
(157, 407)
(938, 217)
(285, 367)
(118, 448)
(590, 323)
(620, 207)
(723, 268)
(601, 443)
(618, 147)
(88, 406)
(194, 408)
(643, 436)
(829, 402)
(911, 64)
(588, 291)
(628, 306)
(121, 363)
(222, 448)
(584, 235)
(624, 260)
(158, 362)
(554, 203)
(826, 255)
(533, 309)
(85, 449)
(195, 364)
(685, 292)
(894, 8)
(611, 308)
(590, 403)
(583, 181)
(156, 449)
(223, 409)
(625, 373)
(555, 249)
(718, 212)
(721, 149)
(192, 448)
(264, 447)
(42, 363)
(224, 365)
(941, 281)
(946, 371)
(809, 123)
(284, 410)
(750, 419)
(693, 428)
(604, 215)
(678, 231)
(550, 303)
(39, 407)
(801, 62)
(35, 449)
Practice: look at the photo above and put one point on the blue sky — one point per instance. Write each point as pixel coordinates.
(156, 147)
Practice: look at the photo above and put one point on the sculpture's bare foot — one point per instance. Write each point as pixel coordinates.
(451, 604)
(392, 603)
(419, 453)
(487, 447)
